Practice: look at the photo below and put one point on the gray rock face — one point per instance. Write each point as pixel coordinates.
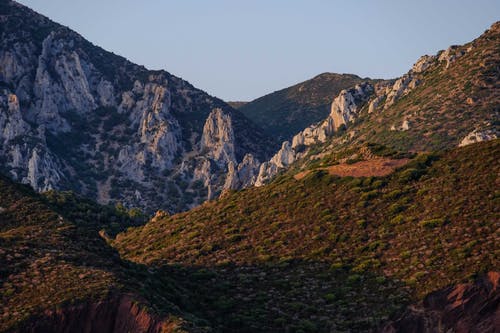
(75, 117)
(218, 137)
(423, 63)
(345, 109)
(450, 55)
(346, 105)
(478, 136)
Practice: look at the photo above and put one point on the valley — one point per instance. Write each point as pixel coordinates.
(132, 201)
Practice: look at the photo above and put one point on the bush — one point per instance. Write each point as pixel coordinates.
(369, 195)
(329, 297)
(434, 223)
(362, 223)
(396, 208)
(393, 194)
(409, 175)
(398, 219)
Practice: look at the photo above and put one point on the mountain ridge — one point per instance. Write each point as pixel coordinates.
(76, 117)
(289, 110)
(381, 216)
(406, 114)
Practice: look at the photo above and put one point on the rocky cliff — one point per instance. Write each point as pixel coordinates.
(288, 111)
(467, 307)
(445, 100)
(114, 315)
(75, 117)
(345, 109)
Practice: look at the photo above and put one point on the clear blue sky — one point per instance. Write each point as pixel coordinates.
(240, 50)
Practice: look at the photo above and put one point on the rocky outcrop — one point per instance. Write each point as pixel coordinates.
(281, 160)
(244, 174)
(218, 137)
(75, 117)
(375, 103)
(468, 307)
(450, 55)
(345, 108)
(423, 63)
(401, 87)
(346, 105)
(478, 136)
(116, 314)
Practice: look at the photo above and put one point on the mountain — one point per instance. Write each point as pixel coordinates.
(237, 104)
(76, 117)
(446, 100)
(379, 216)
(409, 251)
(328, 253)
(286, 112)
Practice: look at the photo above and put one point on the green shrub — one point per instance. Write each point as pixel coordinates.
(362, 223)
(396, 208)
(409, 175)
(434, 223)
(393, 194)
(369, 195)
(398, 219)
(329, 297)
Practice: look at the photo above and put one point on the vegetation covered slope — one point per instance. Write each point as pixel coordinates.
(285, 112)
(51, 264)
(454, 97)
(312, 253)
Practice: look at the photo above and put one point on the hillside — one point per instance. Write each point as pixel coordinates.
(445, 100)
(458, 94)
(131, 201)
(76, 117)
(331, 248)
(57, 272)
(288, 111)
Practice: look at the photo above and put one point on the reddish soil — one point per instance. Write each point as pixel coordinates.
(114, 315)
(463, 308)
(377, 167)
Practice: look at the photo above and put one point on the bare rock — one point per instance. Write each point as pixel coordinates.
(468, 307)
(218, 137)
(478, 136)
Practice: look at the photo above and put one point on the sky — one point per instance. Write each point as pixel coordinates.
(240, 50)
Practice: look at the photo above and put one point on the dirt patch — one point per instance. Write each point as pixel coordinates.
(377, 167)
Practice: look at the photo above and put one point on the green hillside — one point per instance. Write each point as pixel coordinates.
(285, 112)
(53, 259)
(348, 252)
(450, 101)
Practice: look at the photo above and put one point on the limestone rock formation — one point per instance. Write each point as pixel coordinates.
(450, 55)
(478, 136)
(218, 137)
(346, 105)
(75, 117)
(345, 108)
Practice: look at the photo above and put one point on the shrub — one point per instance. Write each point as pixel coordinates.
(329, 297)
(362, 223)
(396, 208)
(398, 219)
(409, 175)
(393, 194)
(369, 195)
(434, 223)
(405, 254)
